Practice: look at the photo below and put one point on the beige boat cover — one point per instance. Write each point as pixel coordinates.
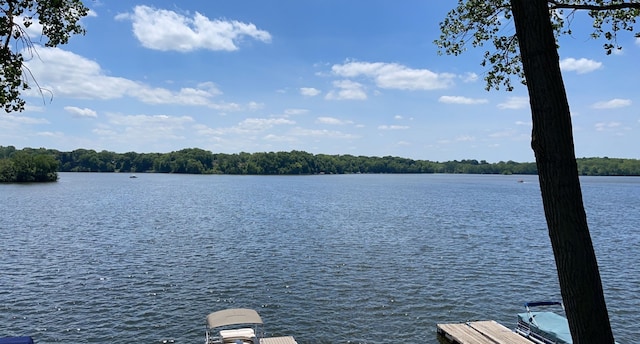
(233, 316)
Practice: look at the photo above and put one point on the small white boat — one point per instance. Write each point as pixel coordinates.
(544, 327)
(239, 326)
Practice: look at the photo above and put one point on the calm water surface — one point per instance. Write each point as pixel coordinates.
(103, 258)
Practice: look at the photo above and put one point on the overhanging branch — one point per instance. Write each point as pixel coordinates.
(619, 6)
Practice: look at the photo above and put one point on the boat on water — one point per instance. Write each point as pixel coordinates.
(239, 326)
(544, 326)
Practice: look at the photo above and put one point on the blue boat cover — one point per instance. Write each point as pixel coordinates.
(543, 303)
(16, 340)
(549, 325)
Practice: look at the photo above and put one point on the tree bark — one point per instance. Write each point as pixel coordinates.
(552, 143)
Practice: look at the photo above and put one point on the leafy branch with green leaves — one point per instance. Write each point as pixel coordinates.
(59, 20)
(476, 22)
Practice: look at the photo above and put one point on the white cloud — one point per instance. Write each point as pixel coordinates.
(295, 112)
(167, 30)
(105, 132)
(260, 124)
(504, 133)
(332, 121)
(255, 106)
(514, 103)
(470, 77)
(309, 91)
(33, 108)
(465, 138)
(618, 51)
(81, 113)
(322, 133)
(9, 120)
(184, 96)
(148, 120)
(67, 74)
(347, 89)
(461, 100)
(248, 126)
(395, 76)
(580, 66)
(393, 127)
(607, 126)
(56, 134)
(34, 30)
(279, 138)
(147, 128)
(612, 104)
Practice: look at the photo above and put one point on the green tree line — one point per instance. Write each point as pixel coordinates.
(27, 166)
(41, 164)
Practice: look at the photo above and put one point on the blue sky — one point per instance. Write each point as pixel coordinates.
(331, 77)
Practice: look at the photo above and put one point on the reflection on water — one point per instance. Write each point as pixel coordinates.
(328, 259)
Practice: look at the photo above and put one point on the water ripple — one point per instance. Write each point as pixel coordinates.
(101, 258)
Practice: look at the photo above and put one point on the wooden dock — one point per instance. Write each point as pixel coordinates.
(278, 340)
(480, 332)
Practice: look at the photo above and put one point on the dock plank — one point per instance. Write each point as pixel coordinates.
(480, 332)
(498, 332)
(278, 340)
(463, 334)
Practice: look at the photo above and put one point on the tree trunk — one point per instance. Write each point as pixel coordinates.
(552, 143)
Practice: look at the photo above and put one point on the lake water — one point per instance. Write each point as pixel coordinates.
(104, 258)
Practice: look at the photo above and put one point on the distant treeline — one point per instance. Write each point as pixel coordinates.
(27, 166)
(199, 161)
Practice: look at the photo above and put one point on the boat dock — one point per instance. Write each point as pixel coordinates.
(480, 332)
